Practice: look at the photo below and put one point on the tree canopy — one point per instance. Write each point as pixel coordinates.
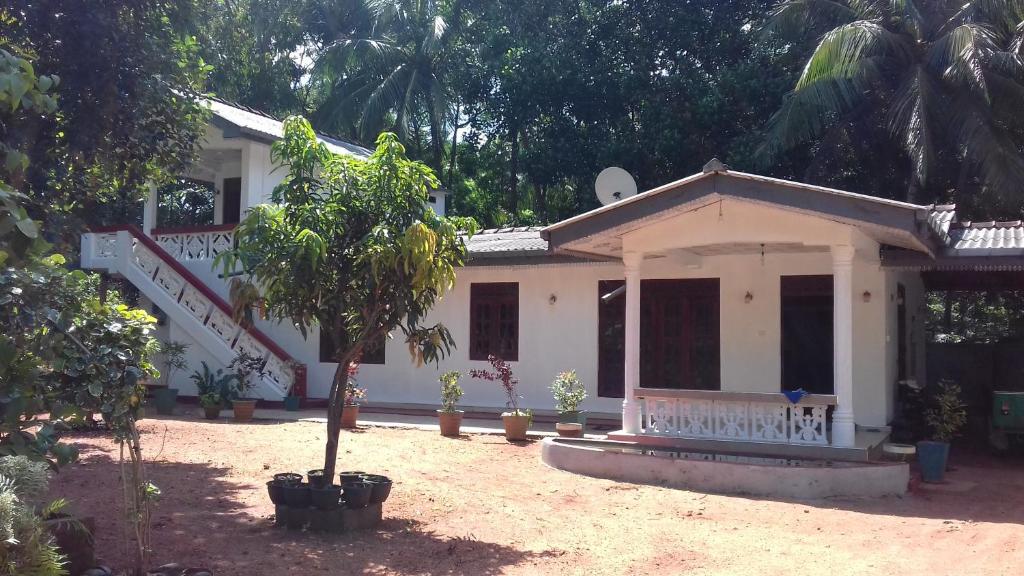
(352, 247)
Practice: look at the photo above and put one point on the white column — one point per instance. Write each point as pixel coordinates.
(842, 329)
(630, 407)
(149, 211)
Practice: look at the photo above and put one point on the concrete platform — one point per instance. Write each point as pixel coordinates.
(867, 446)
(726, 474)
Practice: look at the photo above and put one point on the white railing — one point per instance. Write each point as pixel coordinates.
(740, 416)
(196, 244)
(187, 301)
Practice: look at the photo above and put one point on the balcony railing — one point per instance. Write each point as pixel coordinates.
(739, 416)
(197, 242)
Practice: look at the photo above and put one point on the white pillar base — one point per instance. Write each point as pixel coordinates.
(631, 416)
(843, 429)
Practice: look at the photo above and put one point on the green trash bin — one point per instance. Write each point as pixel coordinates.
(1007, 418)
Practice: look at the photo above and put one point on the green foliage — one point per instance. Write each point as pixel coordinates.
(945, 83)
(568, 391)
(247, 369)
(451, 392)
(185, 202)
(22, 93)
(26, 546)
(215, 387)
(975, 316)
(349, 245)
(947, 414)
(127, 72)
(174, 359)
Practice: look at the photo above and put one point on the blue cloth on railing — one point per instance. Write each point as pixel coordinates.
(795, 396)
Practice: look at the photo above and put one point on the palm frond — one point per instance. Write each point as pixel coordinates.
(960, 56)
(435, 36)
(909, 120)
(790, 18)
(840, 52)
(807, 112)
(986, 146)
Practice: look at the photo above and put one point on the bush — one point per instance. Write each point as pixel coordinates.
(26, 547)
(451, 392)
(568, 391)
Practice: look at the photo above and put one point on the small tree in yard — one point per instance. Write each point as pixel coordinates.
(350, 246)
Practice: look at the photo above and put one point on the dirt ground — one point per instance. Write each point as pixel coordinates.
(478, 505)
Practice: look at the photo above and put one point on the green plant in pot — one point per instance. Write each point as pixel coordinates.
(353, 395)
(569, 393)
(248, 368)
(516, 421)
(946, 416)
(292, 402)
(166, 397)
(214, 388)
(449, 417)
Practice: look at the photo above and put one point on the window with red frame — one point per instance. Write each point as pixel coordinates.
(494, 320)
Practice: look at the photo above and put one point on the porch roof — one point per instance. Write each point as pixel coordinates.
(924, 237)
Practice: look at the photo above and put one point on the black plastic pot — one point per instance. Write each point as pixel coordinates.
(288, 478)
(381, 487)
(350, 476)
(356, 494)
(297, 495)
(326, 497)
(276, 490)
(316, 478)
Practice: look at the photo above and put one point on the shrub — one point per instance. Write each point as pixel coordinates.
(502, 373)
(948, 413)
(568, 391)
(451, 392)
(26, 547)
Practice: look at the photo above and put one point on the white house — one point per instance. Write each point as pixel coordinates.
(737, 287)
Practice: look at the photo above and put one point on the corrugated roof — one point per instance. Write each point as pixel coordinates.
(262, 124)
(507, 241)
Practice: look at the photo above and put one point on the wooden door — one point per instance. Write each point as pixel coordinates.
(679, 336)
(807, 339)
(231, 210)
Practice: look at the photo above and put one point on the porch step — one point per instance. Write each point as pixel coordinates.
(866, 446)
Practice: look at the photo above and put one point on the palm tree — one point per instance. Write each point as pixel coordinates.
(945, 78)
(396, 75)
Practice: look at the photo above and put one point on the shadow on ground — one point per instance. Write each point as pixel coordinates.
(203, 520)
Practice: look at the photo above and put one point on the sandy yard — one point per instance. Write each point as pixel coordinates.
(478, 505)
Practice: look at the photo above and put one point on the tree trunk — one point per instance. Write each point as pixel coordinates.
(455, 144)
(513, 174)
(947, 312)
(335, 404)
(436, 144)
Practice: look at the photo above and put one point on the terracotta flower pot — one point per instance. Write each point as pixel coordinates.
(515, 425)
(212, 412)
(450, 422)
(243, 409)
(349, 414)
(569, 429)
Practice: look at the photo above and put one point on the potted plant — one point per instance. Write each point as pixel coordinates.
(945, 418)
(165, 397)
(214, 388)
(292, 403)
(247, 367)
(516, 421)
(569, 393)
(449, 418)
(353, 394)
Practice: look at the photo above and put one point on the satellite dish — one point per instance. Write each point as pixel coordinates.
(614, 184)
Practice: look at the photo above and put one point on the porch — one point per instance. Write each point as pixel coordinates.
(729, 248)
